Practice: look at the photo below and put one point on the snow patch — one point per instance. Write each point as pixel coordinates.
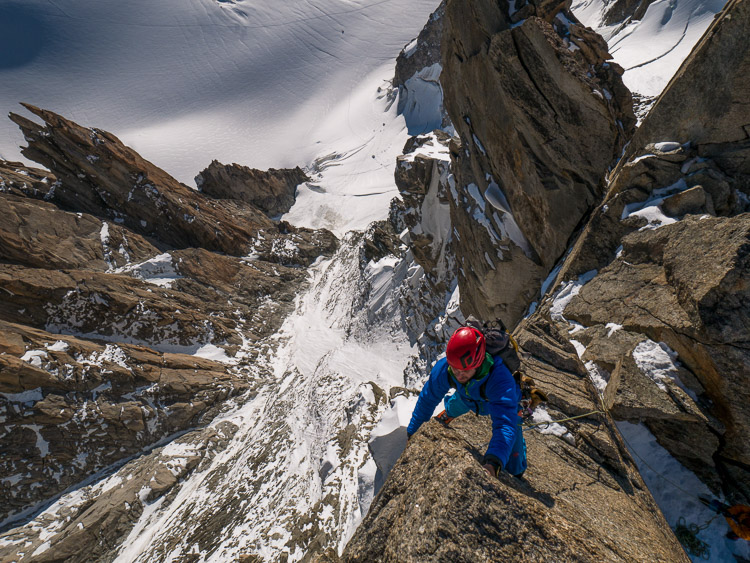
(549, 426)
(58, 346)
(568, 290)
(34, 357)
(612, 328)
(215, 353)
(659, 363)
(158, 271)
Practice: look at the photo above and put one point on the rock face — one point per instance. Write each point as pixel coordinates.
(670, 244)
(119, 284)
(73, 406)
(38, 234)
(271, 191)
(20, 180)
(541, 115)
(422, 217)
(95, 520)
(645, 322)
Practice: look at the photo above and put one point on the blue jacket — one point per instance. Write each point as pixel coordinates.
(501, 390)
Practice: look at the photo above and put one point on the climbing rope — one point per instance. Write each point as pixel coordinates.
(687, 534)
(548, 422)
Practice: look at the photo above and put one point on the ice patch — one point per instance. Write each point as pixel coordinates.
(215, 353)
(58, 346)
(476, 195)
(580, 348)
(479, 145)
(612, 327)
(541, 416)
(599, 376)
(505, 221)
(388, 438)
(421, 101)
(659, 362)
(667, 146)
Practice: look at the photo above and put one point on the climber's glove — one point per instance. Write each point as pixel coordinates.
(492, 465)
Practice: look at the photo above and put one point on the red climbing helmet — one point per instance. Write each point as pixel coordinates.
(466, 349)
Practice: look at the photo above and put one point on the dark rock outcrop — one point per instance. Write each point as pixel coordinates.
(683, 285)
(272, 191)
(541, 114)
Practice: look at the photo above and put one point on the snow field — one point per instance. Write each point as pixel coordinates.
(184, 82)
(652, 49)
(290, 456)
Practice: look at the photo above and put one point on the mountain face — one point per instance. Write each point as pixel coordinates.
(185, 377)
(671, 240)
(640, 335)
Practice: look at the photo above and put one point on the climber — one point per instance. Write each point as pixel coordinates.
(483, 384)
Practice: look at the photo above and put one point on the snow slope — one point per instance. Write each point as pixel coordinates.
(263, 84)
(652, 49)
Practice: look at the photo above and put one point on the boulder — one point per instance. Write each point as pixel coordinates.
(541, 115)
(272, 191)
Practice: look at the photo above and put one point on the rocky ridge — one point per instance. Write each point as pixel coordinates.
(272, 191)
(670, 248)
